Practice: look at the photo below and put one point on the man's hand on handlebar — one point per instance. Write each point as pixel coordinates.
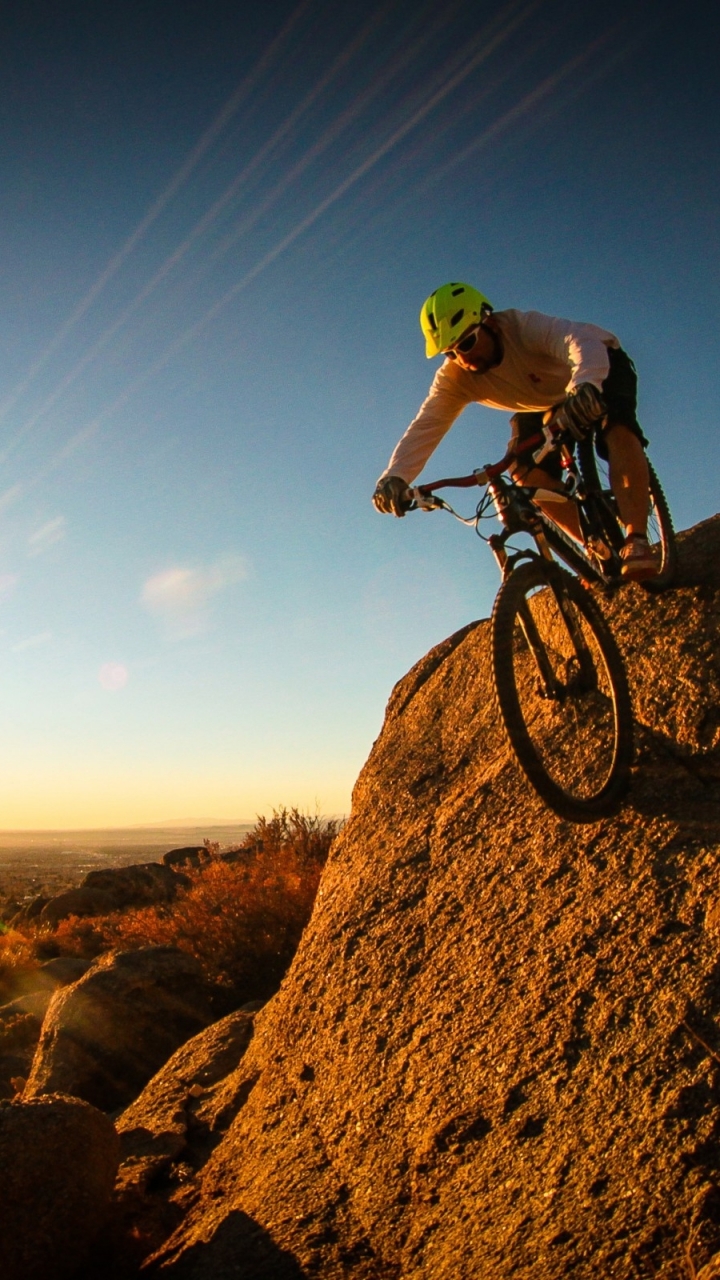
(579, 412)
(392, 496)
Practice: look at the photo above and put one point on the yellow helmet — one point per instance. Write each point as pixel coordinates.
(448, 312)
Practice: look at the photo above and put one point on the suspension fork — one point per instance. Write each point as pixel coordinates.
(571, 618)
(551, 686)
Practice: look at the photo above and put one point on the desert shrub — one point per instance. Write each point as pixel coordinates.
(241, 919)
(308, 837)
(18, 959)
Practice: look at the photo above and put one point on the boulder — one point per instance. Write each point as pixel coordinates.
(107, 1034)
(58, 1160)
(496, 1051)
(76, 902)
(31, 910)
(164, 1140)
(114, 889)
(141, 884)
(190, 856)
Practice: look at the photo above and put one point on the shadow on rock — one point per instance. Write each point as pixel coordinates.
(240, 1246)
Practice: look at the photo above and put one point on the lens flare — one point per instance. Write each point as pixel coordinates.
(113, 676)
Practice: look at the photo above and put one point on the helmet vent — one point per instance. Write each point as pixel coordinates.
(457, 317)
(455, 292)
(431, 318)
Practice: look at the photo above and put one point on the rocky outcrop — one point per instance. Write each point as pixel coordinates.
(104, 1037)
(58, 1159)
(496, 1052)
(114, 889)
(189, 856)
(75, 902)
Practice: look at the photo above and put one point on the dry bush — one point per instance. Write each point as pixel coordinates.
(242, 919)
(308, 837)
(17, 961)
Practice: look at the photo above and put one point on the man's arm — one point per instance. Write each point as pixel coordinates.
(434, 419)
(582, 346)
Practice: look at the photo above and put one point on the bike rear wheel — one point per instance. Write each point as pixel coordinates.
(562, 691)
(661, 533)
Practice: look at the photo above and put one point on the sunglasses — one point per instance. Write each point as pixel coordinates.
(465, 344)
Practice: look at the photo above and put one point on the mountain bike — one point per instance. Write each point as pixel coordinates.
(560, 682)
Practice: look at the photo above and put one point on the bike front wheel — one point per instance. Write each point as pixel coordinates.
(562, 691)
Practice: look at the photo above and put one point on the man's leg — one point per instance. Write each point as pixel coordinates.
(524, 471)
(563, 514)
(629, 478)
(630, 483)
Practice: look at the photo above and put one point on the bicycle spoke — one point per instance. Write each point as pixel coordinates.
(567, 712)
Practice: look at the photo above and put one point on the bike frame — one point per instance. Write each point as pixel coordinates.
(515, 504)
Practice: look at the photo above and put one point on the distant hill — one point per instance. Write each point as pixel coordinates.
(192, 822)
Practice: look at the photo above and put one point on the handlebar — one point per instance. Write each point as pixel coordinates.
(550, 438)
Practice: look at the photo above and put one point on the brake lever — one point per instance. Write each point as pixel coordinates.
(423, 501)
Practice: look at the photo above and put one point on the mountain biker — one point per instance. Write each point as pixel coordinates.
(530, 363)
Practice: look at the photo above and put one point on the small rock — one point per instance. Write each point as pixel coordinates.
(166, 1121)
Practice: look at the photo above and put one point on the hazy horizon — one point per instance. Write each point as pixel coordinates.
(171, 825)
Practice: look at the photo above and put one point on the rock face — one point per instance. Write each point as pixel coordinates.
(496, 1052)
(166, 1135)
(167, 1123)
(105, 1036)
(58, 1159)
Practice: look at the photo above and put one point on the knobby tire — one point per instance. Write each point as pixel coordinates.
(563, 697)
(660, 526)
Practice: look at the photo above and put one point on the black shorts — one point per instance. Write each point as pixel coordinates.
(620, 393)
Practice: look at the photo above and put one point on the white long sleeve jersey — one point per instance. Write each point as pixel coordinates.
(544, 358)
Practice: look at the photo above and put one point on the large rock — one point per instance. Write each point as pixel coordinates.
(193, 855)
(58, 1160)
(76, 902)
(114, 889)
(105, 1036)
(141, 884)
(496, 1052)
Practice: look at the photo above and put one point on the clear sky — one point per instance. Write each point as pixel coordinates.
(219, 222)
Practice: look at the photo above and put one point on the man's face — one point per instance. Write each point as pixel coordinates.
(484, 354)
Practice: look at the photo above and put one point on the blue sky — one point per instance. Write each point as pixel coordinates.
(218, 225)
